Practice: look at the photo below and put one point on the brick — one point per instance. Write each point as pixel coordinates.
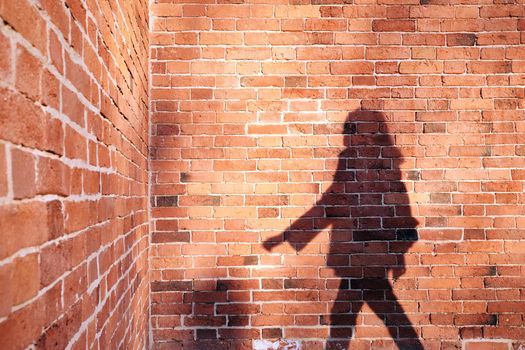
(23, 326)
(297, 11)
(28, 73)
(180, 24)
(20, 121)
(3, 172)
(23, 225)
(262, 81)
(255, 53)
(432, 11)
(486, 345)
(461, 39)
(326, 24)
(50, 90)
(78, 77)
(420, 67)
(488, 67)
(5, 58)
(23, 165)
(257, 24)
(351, 67)
(472, 103)
(171, 53)
(380, 25)
(218, 38)
(515, 53)
(158, 286)
(24, 18)
(54, 177)
(315, 53)
(24, 278)
(382, 53)
(72, 107)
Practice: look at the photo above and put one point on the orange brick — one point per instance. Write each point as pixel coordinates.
(360, 67)
(393, 25)
(28, 73)
(3, 171)
(23, 165)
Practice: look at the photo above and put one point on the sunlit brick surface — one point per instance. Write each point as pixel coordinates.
(248, 102)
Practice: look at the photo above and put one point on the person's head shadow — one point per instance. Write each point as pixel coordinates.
(367, 211)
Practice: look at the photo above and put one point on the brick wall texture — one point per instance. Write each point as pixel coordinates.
(262, 174)
(73, 174)
(249, 103)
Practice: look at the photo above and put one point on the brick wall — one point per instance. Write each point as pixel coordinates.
(314, 167)
(73, 174)
(309, 159)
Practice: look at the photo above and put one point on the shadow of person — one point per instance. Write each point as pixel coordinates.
(371, 227)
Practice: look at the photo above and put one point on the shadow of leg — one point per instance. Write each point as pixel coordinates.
(399, 326)
(342, 318)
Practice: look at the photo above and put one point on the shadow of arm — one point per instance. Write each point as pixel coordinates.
(301, 231)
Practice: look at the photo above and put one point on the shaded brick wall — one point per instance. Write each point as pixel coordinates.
(73, 174)
(248, 106)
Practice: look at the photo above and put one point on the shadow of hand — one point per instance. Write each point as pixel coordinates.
(272, 242)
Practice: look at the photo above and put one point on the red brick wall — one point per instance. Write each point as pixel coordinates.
(73, 174)
(248, 107)
(313, 167)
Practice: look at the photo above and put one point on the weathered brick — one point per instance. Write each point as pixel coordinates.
(381, 25)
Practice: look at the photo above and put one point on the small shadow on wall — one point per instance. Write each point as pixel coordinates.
(365, 213)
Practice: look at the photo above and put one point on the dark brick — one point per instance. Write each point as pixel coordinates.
(167, 237)
(238, 321)
(434, 127)
(349, 128)
(492, 320)
(206, 334)
(167, 201)
(461, 39)
(171, 286)
(407, 234)
(301, 283)
(272, 333)
(167, 129)
(345, 284)
(374, 235)
(245, 284)
(251, 260)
